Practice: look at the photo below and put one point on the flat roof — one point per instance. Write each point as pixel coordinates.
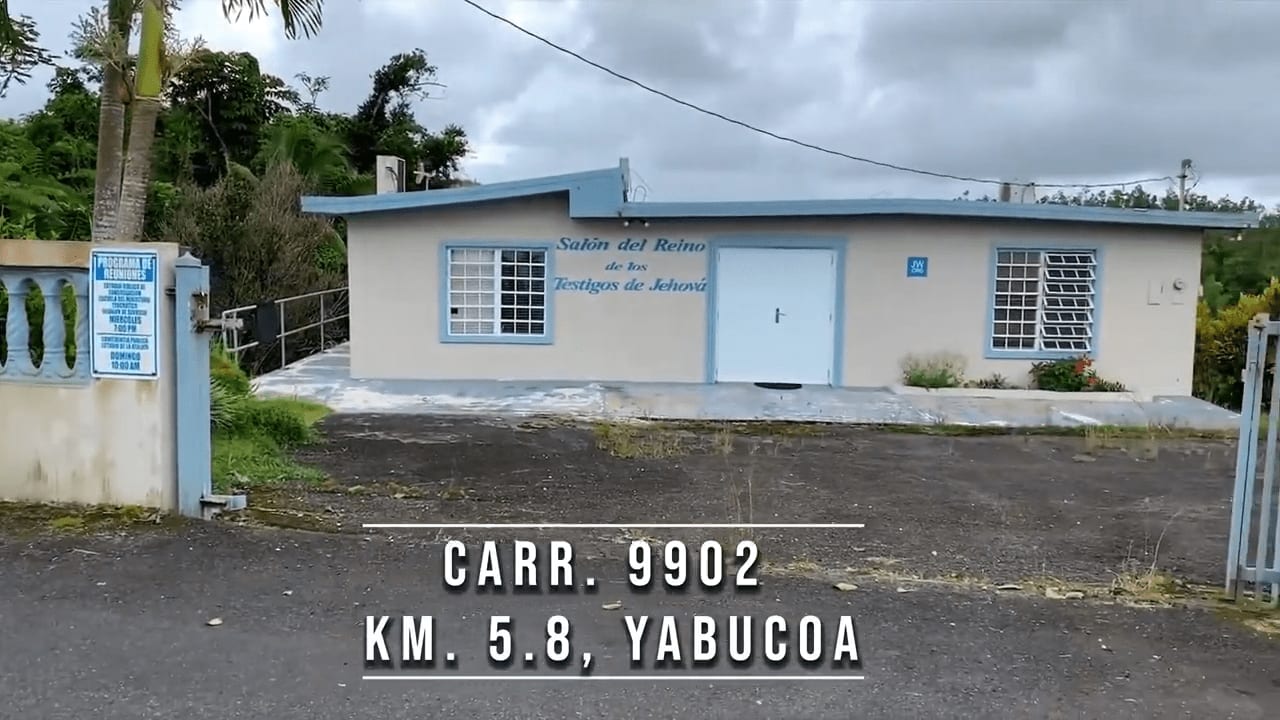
(600, 194)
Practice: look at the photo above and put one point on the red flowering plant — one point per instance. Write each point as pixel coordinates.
(1071, 375)
(1084, 369)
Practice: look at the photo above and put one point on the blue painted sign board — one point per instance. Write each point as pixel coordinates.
(917, 267)
(124, 313)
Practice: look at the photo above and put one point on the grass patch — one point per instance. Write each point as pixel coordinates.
(629, 437)
(25, 518)
(749, 428)
(666, 439)
(1258, 616)
(1152, 586)
(1095, 432)
(635, 441)
(254, 448)
(242, 460)
(292, 519)
(252, 436)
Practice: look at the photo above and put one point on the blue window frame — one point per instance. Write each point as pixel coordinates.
(496, 293)
(1044, 302)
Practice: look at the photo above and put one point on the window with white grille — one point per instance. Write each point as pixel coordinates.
(1044, 300)
(497, 292)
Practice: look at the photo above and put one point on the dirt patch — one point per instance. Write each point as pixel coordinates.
(1003, 508)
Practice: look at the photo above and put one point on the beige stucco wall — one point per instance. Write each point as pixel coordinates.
(656, 336)
(107, 441)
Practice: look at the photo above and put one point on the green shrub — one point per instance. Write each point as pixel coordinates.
(331, 257)
(224, 368)
(277, 419)
(1071, 375)
(226, 405)
(1222, 339)
(252, 435)
(939, 370)
(995, 382)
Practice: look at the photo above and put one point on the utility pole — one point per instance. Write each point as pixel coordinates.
(1182, 183)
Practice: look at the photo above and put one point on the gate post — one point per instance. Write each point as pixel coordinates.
(195, 443)
(194, 430)
(1246, 452)
(1266, 505)
(1264, 573)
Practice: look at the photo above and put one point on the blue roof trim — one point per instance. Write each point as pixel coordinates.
(603, 194)
(594, 193)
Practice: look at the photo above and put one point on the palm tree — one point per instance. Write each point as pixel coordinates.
(121, 179)
(298, 15)
(318, 155)
(111, 103)
(20, 49)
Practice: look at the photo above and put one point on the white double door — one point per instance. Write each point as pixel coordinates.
(775, 315)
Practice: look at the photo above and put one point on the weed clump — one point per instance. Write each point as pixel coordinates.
(939, 370)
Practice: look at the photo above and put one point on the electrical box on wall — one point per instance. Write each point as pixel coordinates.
(1173, 292)
(1155, 292)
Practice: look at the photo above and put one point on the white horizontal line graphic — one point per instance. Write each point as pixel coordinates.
(637, 678)
(618, 526)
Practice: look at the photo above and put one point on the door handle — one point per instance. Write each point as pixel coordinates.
(777, 315)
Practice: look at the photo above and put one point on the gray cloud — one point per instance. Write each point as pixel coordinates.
(1077, 91)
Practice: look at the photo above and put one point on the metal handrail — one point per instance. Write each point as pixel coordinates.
(231, 335)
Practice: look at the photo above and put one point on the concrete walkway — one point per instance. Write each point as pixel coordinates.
(326, 378)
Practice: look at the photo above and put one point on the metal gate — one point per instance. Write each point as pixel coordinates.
(1253, 555)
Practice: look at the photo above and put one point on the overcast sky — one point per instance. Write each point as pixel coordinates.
(1035, 90)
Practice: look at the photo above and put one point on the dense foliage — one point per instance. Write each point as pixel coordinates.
(235, 148)
(221, 113)
(1221, 342)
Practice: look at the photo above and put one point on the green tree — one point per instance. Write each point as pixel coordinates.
(46, 165)
(20, 49)
(229, 102)
(254, 237)
(319, 156)
(124, 166)
(65, 131)
(384, 124)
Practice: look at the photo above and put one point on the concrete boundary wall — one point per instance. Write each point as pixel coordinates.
(66, 435)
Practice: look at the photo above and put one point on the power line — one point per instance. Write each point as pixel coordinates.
(785, 138)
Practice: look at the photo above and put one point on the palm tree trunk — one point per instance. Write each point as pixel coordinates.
(142, 126)
(137, 169)
(110, 166)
